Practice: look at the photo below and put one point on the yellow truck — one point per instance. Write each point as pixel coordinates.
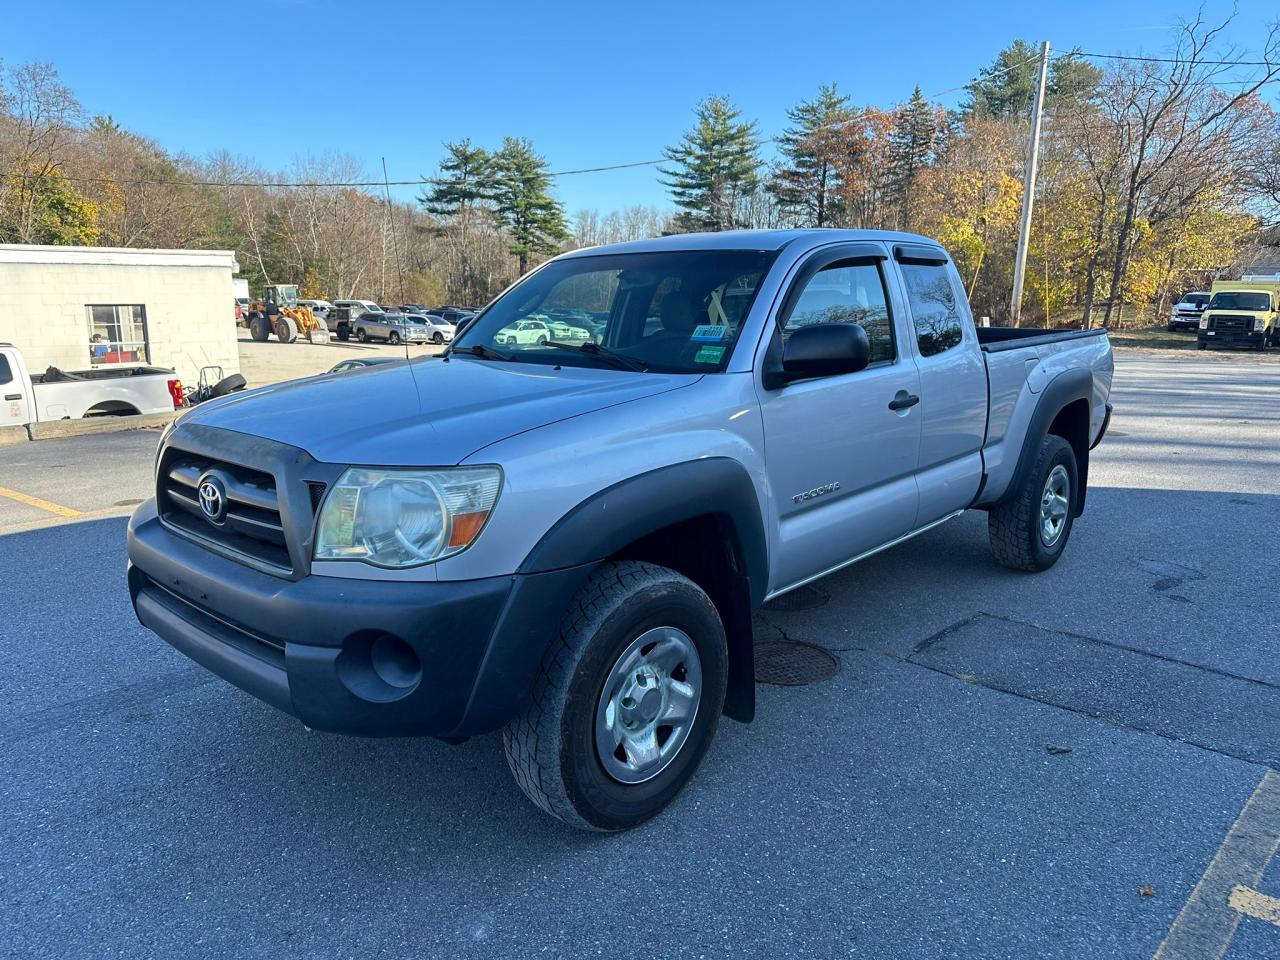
(1244, 312)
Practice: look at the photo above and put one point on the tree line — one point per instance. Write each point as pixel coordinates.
(1156, 176)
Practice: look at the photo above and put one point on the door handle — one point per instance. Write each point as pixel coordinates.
(902, 400)
(13, 396)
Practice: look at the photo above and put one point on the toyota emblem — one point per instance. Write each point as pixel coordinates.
(213, 499)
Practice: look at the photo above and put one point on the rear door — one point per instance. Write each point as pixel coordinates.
(841, 462)
(17, 404)
(953, 381)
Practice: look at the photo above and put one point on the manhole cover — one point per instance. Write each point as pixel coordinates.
(790, 663)
(801, 598)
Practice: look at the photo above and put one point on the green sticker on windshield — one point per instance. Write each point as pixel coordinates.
(709, 355)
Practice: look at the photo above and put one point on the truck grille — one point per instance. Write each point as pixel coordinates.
(238, 511)
(1231, 323)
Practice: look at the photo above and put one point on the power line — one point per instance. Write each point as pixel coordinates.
(1204, 63)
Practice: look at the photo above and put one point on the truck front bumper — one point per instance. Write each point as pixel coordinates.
(1230, 338)
(368, 657)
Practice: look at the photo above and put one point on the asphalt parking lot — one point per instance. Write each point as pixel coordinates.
(1071, 764)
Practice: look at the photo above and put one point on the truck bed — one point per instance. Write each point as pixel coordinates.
(996, 339)
(112, 372)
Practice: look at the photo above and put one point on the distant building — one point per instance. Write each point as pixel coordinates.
(79, 307)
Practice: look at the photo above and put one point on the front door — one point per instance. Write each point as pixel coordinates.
(841, 461)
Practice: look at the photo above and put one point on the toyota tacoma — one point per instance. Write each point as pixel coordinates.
(565, 541)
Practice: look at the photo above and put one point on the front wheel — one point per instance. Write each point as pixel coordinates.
(362, 336)
(627, 701)
(1029, 530)
(438, 339)
(393, 338)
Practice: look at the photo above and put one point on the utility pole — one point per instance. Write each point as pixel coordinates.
(1029, 188)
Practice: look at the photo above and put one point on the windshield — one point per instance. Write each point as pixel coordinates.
(672, 312)
(1240, 300)
(1196, 299)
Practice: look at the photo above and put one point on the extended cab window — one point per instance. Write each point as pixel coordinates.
(847, 292)
(673, 312)
(933, 307)
(6, 374)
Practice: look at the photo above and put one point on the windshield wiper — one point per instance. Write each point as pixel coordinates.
(593, 349)
(481, 351)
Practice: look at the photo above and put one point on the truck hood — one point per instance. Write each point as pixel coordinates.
(431, 412)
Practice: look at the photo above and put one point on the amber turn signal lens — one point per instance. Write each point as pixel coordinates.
(466, 527)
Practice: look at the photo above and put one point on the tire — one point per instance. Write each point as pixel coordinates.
(1202, 346)
(438, 339)
(552, 745)
(344, 333)
(511, 341)
(1016, 526)
(541, 340)
(259, 328)
(227, 385)
(1173, 326)
(362, 336)
(286, 330)
(393, 338)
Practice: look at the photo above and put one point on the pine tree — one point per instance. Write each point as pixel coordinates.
(817, 147)
(463, 193)
(713, 167)
(532, 216)
(1007, 88)
(912, 146)
(465, 181)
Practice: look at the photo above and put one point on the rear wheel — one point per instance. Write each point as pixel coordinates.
(627, 701)
(259, 328)
(362, 336)
(1030, 529)
(344, 332)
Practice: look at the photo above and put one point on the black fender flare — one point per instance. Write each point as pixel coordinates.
(1064, 389)
(626, 512)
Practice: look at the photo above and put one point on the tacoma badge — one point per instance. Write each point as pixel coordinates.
(816, 492)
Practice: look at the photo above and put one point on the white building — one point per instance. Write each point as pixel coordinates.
(77, 307)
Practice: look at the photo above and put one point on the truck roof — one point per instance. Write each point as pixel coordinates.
(749, 240)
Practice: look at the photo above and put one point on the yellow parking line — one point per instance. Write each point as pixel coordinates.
(1253, 903)
(1204, 928)
(39, 504)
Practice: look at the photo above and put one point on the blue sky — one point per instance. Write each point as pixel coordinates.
(590, 83)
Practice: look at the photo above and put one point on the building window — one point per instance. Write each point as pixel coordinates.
(118, 334)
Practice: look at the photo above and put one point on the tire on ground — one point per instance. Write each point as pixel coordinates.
(259, 328)
(344, 332)
(550, 745)
(1013, 526)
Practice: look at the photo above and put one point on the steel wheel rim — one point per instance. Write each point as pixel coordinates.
(1054, 505)
(648, 705)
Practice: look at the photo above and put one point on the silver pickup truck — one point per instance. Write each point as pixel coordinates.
(566, 541)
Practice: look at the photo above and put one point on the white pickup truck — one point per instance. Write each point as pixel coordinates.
(115, 390)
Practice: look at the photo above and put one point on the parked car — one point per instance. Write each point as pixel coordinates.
(438, 332)
(1186, 312)
(1239, 316)
(359, 363)
(320, 308)
(393, 328)
(568, 544)
(452, 315)
(535, 331)
(107, 390)
(358, 307)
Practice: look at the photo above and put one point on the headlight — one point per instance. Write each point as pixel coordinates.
(1204, 323)
(405, 518)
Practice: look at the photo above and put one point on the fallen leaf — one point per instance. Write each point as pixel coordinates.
(1055, 750)
(1147, 891)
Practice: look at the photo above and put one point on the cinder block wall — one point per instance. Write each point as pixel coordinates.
(190, 317)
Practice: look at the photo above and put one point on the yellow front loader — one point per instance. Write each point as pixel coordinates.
(278, 312)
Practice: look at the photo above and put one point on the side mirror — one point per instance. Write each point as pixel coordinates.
(818, 350)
